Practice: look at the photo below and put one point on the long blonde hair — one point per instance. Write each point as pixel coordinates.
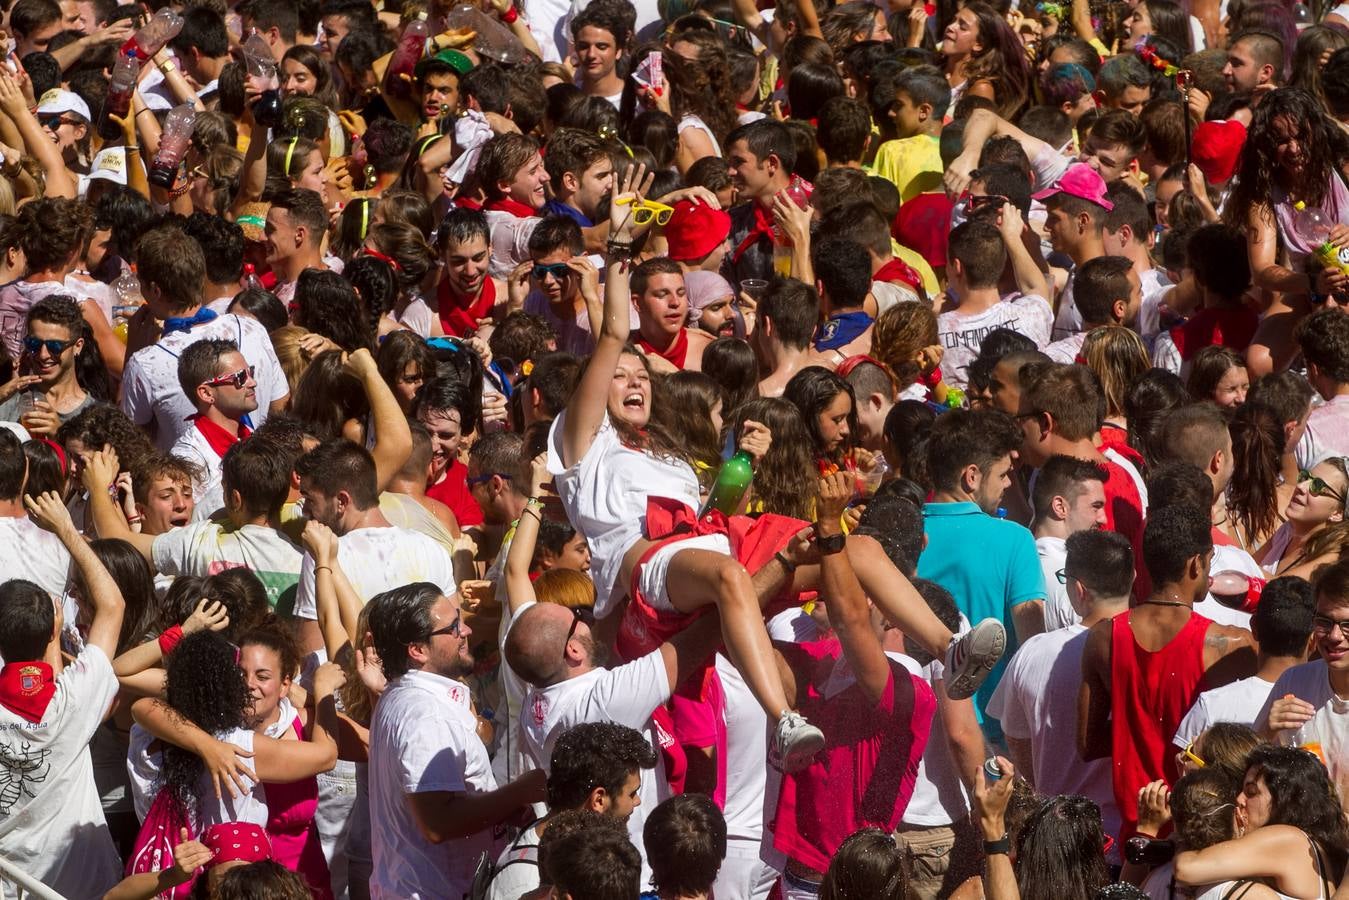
(1117, 356)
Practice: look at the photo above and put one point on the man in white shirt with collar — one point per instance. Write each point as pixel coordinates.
(172, 270)
(434, 804)
(1069, 496)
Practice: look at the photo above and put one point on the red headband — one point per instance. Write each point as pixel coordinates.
(60, 453)
(234, 841)
(380, 256)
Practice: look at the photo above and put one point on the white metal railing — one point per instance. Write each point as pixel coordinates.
(22, 884)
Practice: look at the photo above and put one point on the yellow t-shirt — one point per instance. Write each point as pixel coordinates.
(915, 259)
(912, 164)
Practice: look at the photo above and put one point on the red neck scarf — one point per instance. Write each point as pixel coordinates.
(677, 352)
(763, 227)
(459, 315)
(514, 207)
(26, 689)
(896, 270)
(217, 437)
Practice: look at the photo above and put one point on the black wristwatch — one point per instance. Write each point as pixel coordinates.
(1001, 845)
(829, 545)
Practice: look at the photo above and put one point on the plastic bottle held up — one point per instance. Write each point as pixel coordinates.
(250, 281)
(732, 482)
(154, 34)
(411, 48)
(1313, 227)
(262, 68)
(173, 145)
(121, 87)
(493, 39)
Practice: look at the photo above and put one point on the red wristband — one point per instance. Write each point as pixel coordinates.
(510, 15)
(169, 639)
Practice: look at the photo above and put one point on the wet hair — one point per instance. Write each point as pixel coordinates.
(1217, 255)
(906, 429)
(222, 245)
(46, 472)
(766, 138)
(326, 304)
(1324, 342)
(1172, 537)
(281, 176)
(1117, 357)
(1259, 174)
(1202, 805)
(843, 268)
(1102, 560)
(811, 85)
(1063, 476)
(501, 158)
(100, 424)
(1068, 393)
(258, 473)
(979, 249)
(1059, 850)
(266, 879)
(375, 285)
(1257, 448)
(899, 333)
(276, 636)
(732, 365)
(1287, 394)
(1282, 621)
(595, 863)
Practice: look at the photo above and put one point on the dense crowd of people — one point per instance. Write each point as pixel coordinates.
(709, 448)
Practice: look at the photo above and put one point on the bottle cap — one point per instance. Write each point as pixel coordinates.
(1299, 206)
(248, 269)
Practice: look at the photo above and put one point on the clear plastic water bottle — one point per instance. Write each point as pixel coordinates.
(493, 40)
(121, 87)
(782, 245)
(411, 48)
(126, 299)
(250, 281)
(173, 145)
(1314, 228)
(154, 34)
(262, 68)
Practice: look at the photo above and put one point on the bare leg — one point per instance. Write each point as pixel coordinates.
(698, 578)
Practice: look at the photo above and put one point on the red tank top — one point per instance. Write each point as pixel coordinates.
(459, 317)
(675, 356)
(1150, 692)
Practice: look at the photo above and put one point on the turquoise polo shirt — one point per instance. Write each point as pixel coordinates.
(990, 566)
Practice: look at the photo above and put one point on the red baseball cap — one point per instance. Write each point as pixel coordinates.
(694, 230)
(1216, 149)
(1081, 181)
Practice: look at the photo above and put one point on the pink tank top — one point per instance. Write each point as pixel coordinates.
(290, 825)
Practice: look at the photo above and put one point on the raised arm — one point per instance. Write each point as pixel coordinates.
(585, 410)
(100, 591)
(337, 603)
(845, 603)
(209, 615)
(1029, 279)
(100, 471)
(982, 125)
(1274, 851)
(519, 586)
(59, 181)
(393, 438)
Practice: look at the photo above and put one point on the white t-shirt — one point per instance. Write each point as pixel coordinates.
(208, 493)
(746, 762)
(146, 768)
(1309, 681)
(626, 695)
(960, 335)
(1328, 731)
(1069, 319)
(423, 738)
(1066, 349)
(28, 552)
(1227, 558)
(794, 626)
(939, 796)
(51, 821)
(1240, 701)
(1327, 432)
(517, 871)
(205, 548)
(1036, 700)
(379, 559)
(510, 757)
(150, 390)
(605, 493)
(1059, 611)
(510, 240)
(1155, 284)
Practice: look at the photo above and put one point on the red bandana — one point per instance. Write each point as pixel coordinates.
(26, 688)
(514, 207)
(459, 315)
(219, 439)
(675, 355)
(763, 227)
(898, 270)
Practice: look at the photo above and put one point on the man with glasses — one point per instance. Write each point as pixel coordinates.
(1307, 704)
(1069, 497)
(221, 385)
(1323, 339)
(1036, 701)
(1282, 626)
(435, 806)
(566, 284)
(49, 392)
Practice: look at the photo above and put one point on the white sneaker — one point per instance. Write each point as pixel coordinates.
(972, 656)
(795, 742)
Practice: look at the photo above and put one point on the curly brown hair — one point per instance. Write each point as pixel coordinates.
(703, 88)
(899, 333)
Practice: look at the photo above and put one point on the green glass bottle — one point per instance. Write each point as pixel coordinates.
(732, 482)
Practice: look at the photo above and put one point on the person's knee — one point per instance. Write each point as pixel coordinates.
(733, 582)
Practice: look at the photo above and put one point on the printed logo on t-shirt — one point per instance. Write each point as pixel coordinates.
(539, 709)
(30, 680)
(666, 739)
(21, 768)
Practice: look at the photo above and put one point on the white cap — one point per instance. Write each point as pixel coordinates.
(57, 101)
(110, 164)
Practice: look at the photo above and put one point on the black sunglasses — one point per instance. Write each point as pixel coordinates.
(54, 347)
(578, 615)
(559, 271)
(1317, 487)
(452, 628)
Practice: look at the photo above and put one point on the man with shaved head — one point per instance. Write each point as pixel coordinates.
(553, 649)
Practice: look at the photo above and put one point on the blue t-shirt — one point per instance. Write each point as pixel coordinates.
(990, 566)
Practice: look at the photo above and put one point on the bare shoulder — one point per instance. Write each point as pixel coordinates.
(1227, 638)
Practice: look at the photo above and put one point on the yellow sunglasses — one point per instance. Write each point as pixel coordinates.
(643, 211)
(1189, 754)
